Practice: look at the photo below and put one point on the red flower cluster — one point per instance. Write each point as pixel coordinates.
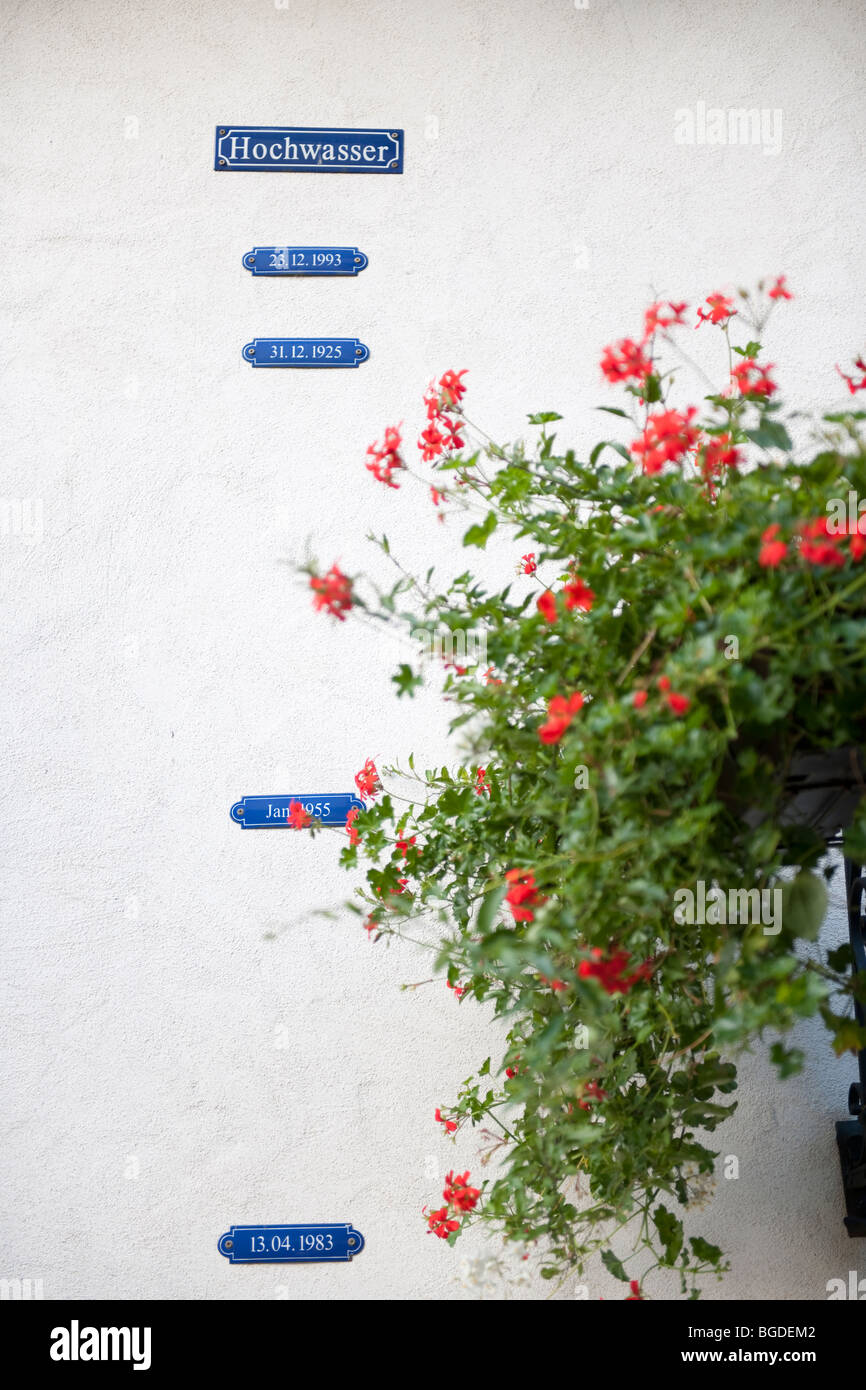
(387, 460)
(333, 592)
(440, 1224)
(634, 1284)
(560, 713)
(458, 1193)
(450, 1125)
(628, 360)
(459, 1197)
(458, 989)
(718, 452)
(753, 379)
(779, 289)
(669, 435)
(481, 782)
(657, 317)
(678, 703)
(851, 381)
(576, 595)
(443, 431)
(405, 845)
(522, 896)
(818, 546)
(610, 971)
(720, 309)
(298, 818)
(591, 1091)
(354, 837)
(511, 1072)
(529, 565)
(772, 551)
(367, 780)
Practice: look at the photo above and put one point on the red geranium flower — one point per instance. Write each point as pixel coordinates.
(481, 782)
(639, 699)
(457, 1192)
(440, 1225)
(656, 317)
(450, 1125)
(546, 605)
(610, 971)
(333, 592)
(529, 565)
(452, 388)
(386, 460)
(772, 552)
(634, 1284)
(578, 595)
(298, 818)
(779, 290)
(667, 438)
(522, 896)
(626, 361)
(367, 780)
(678, 703)
(718, 452)
(591, 1091)
(851, 381)
(721, 309)
(560, 713)
(354, 837)
(818, 546)
(431, 443)
(753, 379)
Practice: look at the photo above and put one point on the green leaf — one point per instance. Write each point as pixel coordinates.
(489, 908)
(544, 417)
(804, 905)
(703, 1251)
(610, 444)
(479, 535)
(615, 1266)
(406, 681)
(670, 1231)
(770, 434)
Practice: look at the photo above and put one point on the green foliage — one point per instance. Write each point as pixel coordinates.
(613, 1094)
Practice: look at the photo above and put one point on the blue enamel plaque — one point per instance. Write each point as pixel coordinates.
(305, 352)
(244, 1245)
(305, 260)
(309, 149)
(257, 812)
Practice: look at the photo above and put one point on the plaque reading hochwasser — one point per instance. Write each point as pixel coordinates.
(290, 1244)
(309, 149)
(305, 260)
(261, 812)
(305, 352)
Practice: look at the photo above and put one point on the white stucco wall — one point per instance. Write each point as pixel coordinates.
(161, 659)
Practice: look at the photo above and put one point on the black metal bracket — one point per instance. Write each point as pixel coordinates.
(851, 1134)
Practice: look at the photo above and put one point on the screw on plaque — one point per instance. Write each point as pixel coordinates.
(229, 1244)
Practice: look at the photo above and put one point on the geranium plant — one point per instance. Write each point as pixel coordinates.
(689, 617)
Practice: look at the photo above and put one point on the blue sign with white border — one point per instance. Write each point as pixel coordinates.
(263, 812)
(290, 1244)
(309, 149)
(305, 260)
(305, 352)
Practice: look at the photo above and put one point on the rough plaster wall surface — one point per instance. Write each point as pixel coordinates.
(187, 1045)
